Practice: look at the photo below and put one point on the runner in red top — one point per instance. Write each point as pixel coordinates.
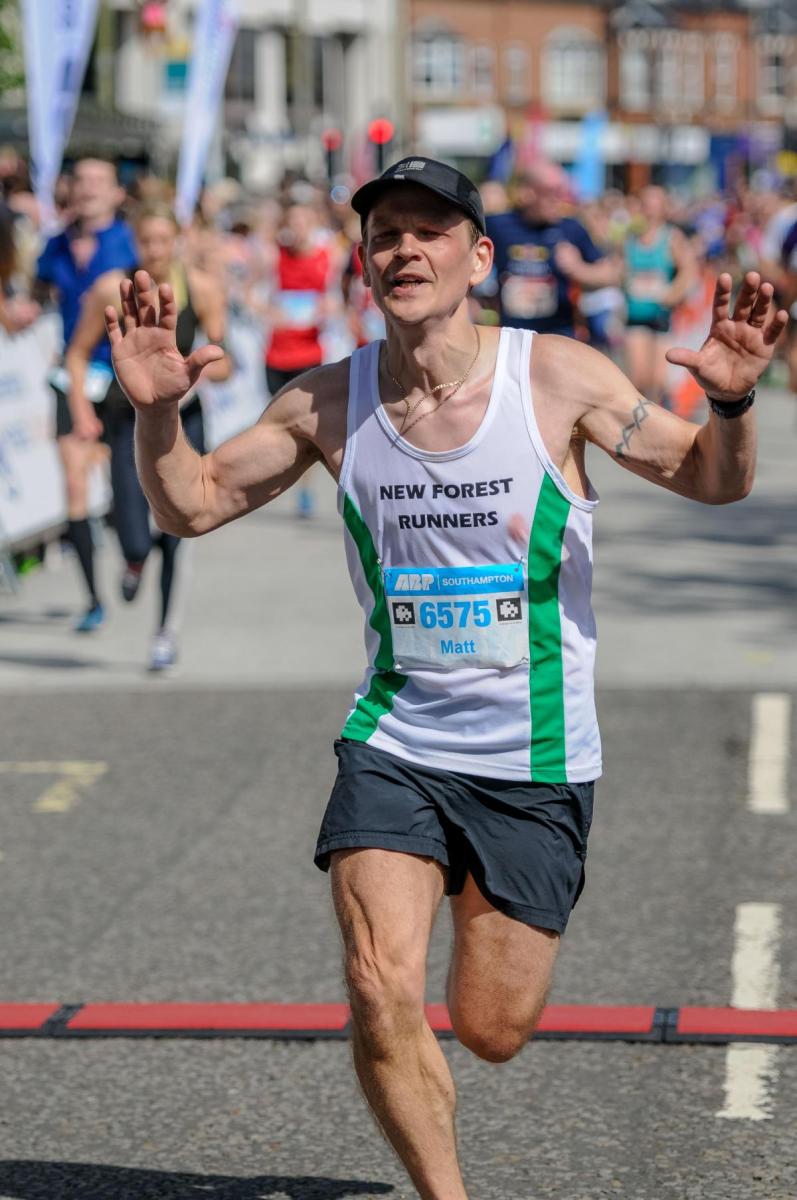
(302, 271)
(298, 308)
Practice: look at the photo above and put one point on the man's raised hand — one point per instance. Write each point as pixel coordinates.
(739, 346)
(151, 370)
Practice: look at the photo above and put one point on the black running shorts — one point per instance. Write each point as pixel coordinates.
(524, 843)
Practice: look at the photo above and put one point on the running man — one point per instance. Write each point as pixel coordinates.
(97, 241)
(467, 762)
(542, 259)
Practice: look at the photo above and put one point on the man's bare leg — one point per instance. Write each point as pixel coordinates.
(385, 903)
(411, 1094)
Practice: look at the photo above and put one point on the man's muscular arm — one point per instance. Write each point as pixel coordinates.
(190, 493)
(713, 463)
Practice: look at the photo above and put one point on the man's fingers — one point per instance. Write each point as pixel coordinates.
(722, 297)
(129, 306)
(775, 328)
(112, 325)
(680, 357)
(145, 299)
(747, 295)
(168, 308)
(760, 310)
(202, 358)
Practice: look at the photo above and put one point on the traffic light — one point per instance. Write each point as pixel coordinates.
(380, 134)
(331, 140)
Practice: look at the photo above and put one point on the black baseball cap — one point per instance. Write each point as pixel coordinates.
(438, 177)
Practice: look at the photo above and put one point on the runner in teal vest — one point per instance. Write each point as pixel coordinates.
(659, 270)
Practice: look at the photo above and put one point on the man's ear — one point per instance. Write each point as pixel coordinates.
(364, 264)
(483, 253)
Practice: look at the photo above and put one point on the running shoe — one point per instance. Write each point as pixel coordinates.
(163, 653)
(305, 504)
(131, 581)
(92, 619)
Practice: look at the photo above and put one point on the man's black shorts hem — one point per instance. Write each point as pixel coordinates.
(524, 843)
(362, 840)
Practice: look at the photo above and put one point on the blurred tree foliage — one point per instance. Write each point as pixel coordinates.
(12, 70)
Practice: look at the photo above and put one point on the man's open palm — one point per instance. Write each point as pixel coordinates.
(150, 369)
(740, 345)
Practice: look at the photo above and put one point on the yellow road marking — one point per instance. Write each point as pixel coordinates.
(63, 794)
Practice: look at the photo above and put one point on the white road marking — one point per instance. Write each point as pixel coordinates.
(751, 1071)
(769, 754)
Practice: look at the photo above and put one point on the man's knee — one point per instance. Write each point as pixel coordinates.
(493, 1036)
(386, 996)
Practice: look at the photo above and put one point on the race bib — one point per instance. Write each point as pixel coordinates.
(650, 286)
(527, 296)
(446, 617)
(299, 308)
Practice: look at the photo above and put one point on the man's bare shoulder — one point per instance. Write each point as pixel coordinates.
(314, 403)
(564, 370)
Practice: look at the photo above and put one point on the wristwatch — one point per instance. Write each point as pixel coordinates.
(733, 409)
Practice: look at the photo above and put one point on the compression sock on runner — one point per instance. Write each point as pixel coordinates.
(79, 533)
(169, 545)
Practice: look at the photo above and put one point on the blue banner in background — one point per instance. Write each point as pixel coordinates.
(502, 162)
(589, 170)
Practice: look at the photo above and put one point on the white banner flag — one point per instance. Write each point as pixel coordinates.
(214, 35)
(57, 41)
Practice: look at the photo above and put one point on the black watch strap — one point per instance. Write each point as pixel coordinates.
(734, 409)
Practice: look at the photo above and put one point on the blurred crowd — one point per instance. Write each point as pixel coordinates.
(631, 274)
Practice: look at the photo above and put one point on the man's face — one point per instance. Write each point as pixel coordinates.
(539, 196)
(96, 195)
(653, 204)
(418, 255)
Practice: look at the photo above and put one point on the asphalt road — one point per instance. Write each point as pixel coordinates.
(178, 867)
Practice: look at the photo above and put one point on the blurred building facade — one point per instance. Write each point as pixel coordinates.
(686, 87)
(298, 67)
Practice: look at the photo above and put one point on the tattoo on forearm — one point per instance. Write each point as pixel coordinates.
(639, 415)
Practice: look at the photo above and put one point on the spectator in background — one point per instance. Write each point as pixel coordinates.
(17, 310)
(94, 242)
(543, 258)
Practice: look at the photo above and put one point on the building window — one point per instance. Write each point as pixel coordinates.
(240, 83)
(438, 65)
(773, 53)
(574, 70)
(483, 71)
(635, 72)
(668, 72)
(517, 71)
(726, 51)
(693, 84)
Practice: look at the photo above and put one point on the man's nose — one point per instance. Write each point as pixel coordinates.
(407, 244)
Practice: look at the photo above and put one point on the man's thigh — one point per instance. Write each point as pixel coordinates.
(500, 967)
(385, 902)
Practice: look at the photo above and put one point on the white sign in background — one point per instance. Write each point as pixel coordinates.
(214, 36)
(32, 494)
(57, 40)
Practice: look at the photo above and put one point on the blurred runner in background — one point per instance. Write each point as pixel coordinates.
(659, 271)
(96, 241)
(302, 266)
(542, 257)
(201, 307)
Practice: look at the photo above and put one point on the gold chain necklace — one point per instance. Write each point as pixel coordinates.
(456, 384)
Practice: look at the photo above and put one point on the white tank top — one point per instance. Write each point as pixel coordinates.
(474, 569)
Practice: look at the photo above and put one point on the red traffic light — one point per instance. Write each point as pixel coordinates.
(380, 131)
(332, 139)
